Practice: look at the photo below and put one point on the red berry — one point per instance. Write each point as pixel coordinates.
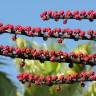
(65, 21)
(90, 32)
(20, 77)
(54, 78)
(48, 78)
(92, 77)
(61, 12)
(27, 50)
(13, 38)
(44, 18)
(52, 59)
(65, 55)
(35, 77)
(59, 40)
(1, 24)
(72, 54)
(5, 52)
(27, 28)
(68, 13)
(61, 77)
(30, 78)
(41, 78)
(49, 13)
(45, 12)
(41, 15)
(77, 17)
(55, 14)
(82, 34)
(75, 12)
(83, 13)
(52, 53)
(25, 75)
(19, 28)
(86, 59)
(37, 82)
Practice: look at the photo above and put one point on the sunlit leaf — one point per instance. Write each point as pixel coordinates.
(21, 43)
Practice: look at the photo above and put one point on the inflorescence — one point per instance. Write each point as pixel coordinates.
(50, 80)
(47, 32)
(45, 55)
(78, 15)
(53, 56)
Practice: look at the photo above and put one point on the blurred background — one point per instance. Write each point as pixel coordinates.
(26, 12)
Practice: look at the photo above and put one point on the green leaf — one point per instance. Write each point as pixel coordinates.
(7, 88)
(21, 43)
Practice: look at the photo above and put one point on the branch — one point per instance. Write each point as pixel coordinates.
(78, 15)
(47, 32)
(57, 79)
(45, 55)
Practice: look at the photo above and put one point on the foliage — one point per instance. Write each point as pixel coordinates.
(7, 87)
(49, 68)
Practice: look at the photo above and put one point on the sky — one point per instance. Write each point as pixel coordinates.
(26, 12)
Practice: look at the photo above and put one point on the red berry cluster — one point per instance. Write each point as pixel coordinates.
(45, 55)
(53, 56)
(48, 32)
(49, 80)
(78, 15)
